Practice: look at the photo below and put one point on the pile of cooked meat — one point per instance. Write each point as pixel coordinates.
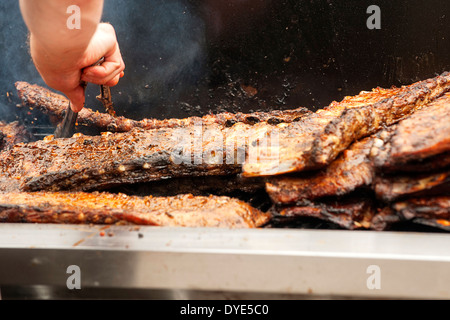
(370, 161)
(399, 173)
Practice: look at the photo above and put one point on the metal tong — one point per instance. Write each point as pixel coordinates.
(66, 128)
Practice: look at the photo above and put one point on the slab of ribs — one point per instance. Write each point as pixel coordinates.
(370, 161)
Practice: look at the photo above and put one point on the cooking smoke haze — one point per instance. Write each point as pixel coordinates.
(163, 47)
(191, 57)
(15, 62)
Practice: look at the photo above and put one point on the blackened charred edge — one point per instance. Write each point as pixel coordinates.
(387, 188)
(275, 121)
(2, 141)
(230, 123)
(430, 164)
(145, 169)
(435, 223)
(251, 120)
(33, 214)
(429, 211)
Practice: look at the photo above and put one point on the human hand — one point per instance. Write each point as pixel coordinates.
(64, 73)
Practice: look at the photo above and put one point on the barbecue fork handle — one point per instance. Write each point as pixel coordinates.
(66, 127)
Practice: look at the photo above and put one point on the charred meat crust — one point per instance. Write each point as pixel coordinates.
(351, 170)
(424, 207)
(106, 208)
(430, 164)
(355, 123)
(394, 155)
(83, 163)
(348, 213)
(343, 177)
(361, 213)
(344, 141)
(2, 141)
(196, 185)
(317, 139)
(423, 135)
(390, 188)
(432, 211)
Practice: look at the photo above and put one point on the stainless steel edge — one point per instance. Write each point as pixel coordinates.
(279, 261)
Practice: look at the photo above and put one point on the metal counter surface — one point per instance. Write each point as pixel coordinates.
(262, 261)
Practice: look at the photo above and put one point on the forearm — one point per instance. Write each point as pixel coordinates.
(64, 52)
(47, 23)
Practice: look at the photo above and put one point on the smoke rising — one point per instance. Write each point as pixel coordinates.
(163, 47)
(15, 62)
(162, 43)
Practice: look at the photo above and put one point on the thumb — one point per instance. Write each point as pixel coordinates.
(76, 97)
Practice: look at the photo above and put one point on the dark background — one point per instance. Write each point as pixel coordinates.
(193, 57)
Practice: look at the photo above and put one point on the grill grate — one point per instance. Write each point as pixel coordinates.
(36, 123)
(41, 131)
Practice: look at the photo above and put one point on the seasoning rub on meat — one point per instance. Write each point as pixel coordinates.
(317, 139)
(108, 208)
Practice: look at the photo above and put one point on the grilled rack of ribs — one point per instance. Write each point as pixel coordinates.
(317, 139)
(84, 163)
(375, 155)
(106, 208)
(55, 105)
(367, 162)
(401, 162)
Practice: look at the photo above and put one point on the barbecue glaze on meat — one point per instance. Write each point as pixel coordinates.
(55, 106)
(423, 138)
(317, 139)
(351, 170)
(423, 135)
(106, 208)
(361, 161)
(84, 163)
